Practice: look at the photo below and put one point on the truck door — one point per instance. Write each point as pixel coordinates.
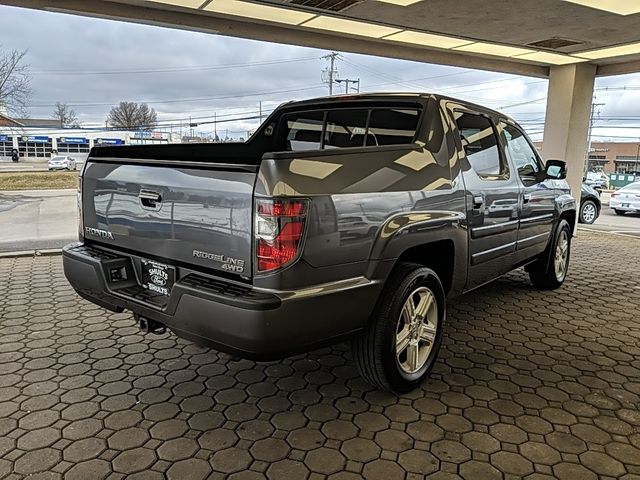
(492, 193)
(537, 200)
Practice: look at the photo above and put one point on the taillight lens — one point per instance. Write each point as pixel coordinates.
(279, 230)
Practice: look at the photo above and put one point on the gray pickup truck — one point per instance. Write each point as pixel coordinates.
(341, 218)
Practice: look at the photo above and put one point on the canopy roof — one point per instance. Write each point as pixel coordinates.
(518, 36)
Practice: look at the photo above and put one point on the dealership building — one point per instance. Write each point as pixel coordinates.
(41, 138)
(612, 157)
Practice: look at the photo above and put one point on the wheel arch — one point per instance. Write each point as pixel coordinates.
(446, 256)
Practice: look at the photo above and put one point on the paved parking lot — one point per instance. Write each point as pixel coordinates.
(529, 385)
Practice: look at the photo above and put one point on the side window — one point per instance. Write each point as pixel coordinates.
(392, 127)
(345, 128)
(302, 131)
(481, 146)
(522, 154)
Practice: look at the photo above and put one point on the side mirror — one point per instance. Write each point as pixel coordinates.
(556, 169)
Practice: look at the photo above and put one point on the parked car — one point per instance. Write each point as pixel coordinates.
(62, 162)
(598, 180)
(233, 245)
(626, 199)
(590, 204)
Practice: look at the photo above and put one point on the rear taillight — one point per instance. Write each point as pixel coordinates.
(279, 229)
(613, 194)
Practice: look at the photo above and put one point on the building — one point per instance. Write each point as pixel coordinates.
(41, 138)
(612, 157)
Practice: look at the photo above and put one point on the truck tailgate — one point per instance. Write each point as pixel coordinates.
(200, 216)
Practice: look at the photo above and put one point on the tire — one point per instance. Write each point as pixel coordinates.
(549, 272)
(374, 350)
(588, 212)
(620, 212)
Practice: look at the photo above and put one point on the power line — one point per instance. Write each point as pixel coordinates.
(186, 68)
(180, 100)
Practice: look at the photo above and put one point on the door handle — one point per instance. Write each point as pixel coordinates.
(526, 198)
(478, 201)
(149, 199)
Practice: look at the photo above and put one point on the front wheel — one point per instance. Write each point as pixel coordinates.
(398, 347)
(620, 212)
(550, 270)
(588, 212)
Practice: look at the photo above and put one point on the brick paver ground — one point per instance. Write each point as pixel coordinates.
(528, 385)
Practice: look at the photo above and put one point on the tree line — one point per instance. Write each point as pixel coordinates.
(16, 93)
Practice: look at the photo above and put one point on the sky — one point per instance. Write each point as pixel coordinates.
(190, 77)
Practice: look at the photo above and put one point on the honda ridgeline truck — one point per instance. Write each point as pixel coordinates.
(342, 218)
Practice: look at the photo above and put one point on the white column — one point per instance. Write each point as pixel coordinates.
(566, 126)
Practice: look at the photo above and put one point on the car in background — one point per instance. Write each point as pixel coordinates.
(590, 204)
(597, 180)
(626, 199)
(62, 162)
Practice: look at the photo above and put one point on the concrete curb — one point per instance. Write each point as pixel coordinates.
(32, 253)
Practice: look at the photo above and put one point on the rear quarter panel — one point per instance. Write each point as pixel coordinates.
(369, 205)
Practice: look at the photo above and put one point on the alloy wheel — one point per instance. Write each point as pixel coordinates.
(416, 331)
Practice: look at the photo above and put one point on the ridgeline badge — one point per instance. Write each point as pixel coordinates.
(228, 263)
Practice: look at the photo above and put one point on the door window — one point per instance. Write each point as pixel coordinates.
(521, 152)
(480, 144)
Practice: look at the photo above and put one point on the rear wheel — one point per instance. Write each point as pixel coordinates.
(588, 212)
(550, 270)
(398, 347)
(619, 212)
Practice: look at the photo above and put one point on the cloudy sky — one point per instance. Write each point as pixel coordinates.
(92, 64)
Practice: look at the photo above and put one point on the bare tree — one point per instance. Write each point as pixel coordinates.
(65, 115)
(15, 82)
(133, 116)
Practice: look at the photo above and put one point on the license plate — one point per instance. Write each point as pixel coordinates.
(157, 277)
(625, 205)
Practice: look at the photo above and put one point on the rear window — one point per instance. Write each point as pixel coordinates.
(632, 187)
(304, 130)
(343, 128)
(393, 127)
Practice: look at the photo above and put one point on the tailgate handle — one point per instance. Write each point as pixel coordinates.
(149, 199)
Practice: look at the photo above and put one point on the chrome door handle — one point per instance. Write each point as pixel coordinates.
(526, 198)
(478, 201)
(149, 199)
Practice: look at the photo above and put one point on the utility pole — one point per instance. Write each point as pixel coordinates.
(261, 112)
(591, 120)
(329, 74)
(347, 81)
(215, 127)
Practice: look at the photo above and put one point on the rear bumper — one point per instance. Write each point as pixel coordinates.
(626, 206)
(229, 316)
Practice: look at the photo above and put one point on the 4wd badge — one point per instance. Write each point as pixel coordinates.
(229, 264)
